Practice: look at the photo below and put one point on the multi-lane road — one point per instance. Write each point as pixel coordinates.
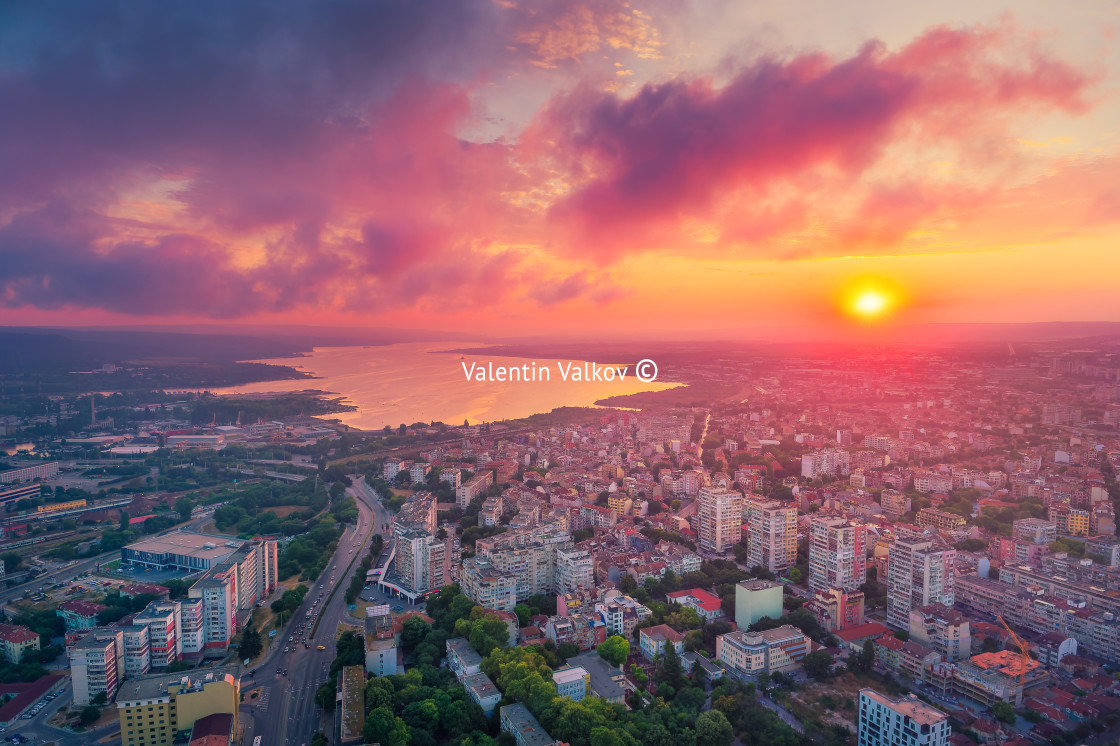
(288, 713)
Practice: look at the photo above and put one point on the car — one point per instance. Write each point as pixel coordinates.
(320, 647)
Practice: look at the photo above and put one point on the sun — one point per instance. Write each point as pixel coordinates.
(870, 304)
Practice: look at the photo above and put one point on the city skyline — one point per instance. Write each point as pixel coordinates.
(566, 167)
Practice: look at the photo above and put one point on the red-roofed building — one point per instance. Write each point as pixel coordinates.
(17, 641)
(140, 519)
(79, 614)
(213, 730)
(706, 604)
(131, 590)
(26, 694)
(652, 640)
(855, 637)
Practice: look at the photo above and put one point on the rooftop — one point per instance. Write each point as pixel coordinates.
(16, 634)
(186, 543)
(81, 608)
(1005, 662)
(153, 687)
(909, 706)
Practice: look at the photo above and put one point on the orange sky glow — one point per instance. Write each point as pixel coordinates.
(566, 167)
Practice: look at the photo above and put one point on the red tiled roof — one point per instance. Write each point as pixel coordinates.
(663, 631)
(16, 634)
(82, 608)
(870, 629)
(26, 694)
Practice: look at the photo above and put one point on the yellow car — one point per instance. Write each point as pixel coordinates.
(320, 647)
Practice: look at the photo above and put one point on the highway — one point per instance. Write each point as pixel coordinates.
(288, 713)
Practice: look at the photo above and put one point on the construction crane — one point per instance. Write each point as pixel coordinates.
(1024, 653)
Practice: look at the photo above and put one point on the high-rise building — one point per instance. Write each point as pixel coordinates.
(575, 569)
(719, 519)
(96, 663)
(154, 709)
(906, 721)
(771, 535)
(755, 599)
(423, 562)
(137, 650)
(919, 573)
(943, 629)
(191, 626)
(487, 586)
(164, 622)
(837, 554)
(218, 592)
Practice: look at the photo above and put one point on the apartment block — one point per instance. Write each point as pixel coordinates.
(943, 629)
(837, 609)
(837, 554)
(755, 599)
(905, 721)
(218, 593)
(652, 640)
(164, 622)
(1034, 530)
(472, 488)
(573, 682)
(939, 519)
(919, 573)
(153, 709)
(17, 641)
(575, 569)
(137, 650)
(520, 723)
(192, 627)
(748, 653)
(621, 614)
(96, 665)
(771, 535)
(423, 562)
(487, 586)
(719, 519)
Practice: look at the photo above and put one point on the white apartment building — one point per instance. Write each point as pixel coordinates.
(192, 628)
(837, 554)
(218, 592)
(906, 721)
(919, 573)
(488, 587)
(575, 569)
(829, 463)
(96, 663)
(163, 620)
(137, 650)
(771, 535)
(719, 519)
(423, 562)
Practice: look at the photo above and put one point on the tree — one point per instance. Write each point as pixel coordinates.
(628, 584)
(1004, 712)
(523, 613)
(384, 727)
(817, 664)
(795, 575)
(90, 715)
(671, 671)
(250, 646)
(184, 506)
(614, 650)
(100, 699)
(325, 696)
(902, 634)
(320, 739)
(713, 729)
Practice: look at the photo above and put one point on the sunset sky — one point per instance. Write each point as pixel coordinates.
(528, 167)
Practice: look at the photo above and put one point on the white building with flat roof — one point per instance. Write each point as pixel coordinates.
(906, 721)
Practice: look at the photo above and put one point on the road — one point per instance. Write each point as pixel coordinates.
(288, 714)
